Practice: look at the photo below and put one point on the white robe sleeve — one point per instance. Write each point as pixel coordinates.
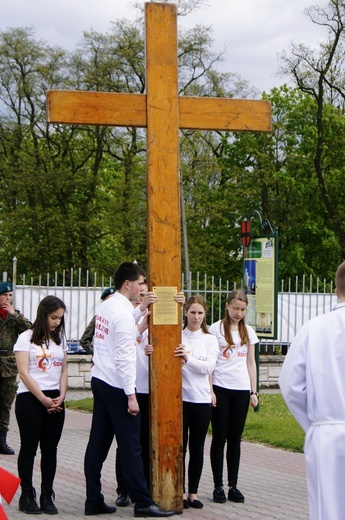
(293, 377)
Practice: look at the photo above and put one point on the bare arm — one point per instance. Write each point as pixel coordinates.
(63, 382)
(144, 323)
(251, 366)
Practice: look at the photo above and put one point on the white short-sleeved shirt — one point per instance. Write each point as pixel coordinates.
(45, 364)
(231, 368)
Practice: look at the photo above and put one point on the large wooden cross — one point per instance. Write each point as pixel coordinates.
(163, 113)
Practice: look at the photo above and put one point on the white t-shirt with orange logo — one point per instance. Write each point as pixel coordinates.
(231, 368)
(44, 363)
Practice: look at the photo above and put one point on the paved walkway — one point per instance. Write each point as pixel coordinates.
(272, 480)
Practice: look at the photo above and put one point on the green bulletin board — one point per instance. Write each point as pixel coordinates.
(260, 284)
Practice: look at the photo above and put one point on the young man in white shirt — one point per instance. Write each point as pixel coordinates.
(116, 410)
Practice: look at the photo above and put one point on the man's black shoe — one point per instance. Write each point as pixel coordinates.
(122, 500)
(102, 509)
(152, 511)
(235, 495)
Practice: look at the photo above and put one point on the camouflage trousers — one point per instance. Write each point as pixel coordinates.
(8, 389)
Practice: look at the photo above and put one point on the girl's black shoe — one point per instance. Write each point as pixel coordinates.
(219, 495)
(46, 501)
(235, 495)
(27, 502)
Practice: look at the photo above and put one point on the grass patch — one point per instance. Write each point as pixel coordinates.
(82, 405)
(273, 425)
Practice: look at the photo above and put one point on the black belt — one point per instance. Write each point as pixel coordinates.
(6, 353)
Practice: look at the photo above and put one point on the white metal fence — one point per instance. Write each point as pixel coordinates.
(298, 301)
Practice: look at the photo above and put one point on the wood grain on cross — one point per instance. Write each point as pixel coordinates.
(163, 113)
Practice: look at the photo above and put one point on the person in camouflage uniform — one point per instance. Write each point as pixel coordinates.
(87, 337)
(86, 341)
(12, 323)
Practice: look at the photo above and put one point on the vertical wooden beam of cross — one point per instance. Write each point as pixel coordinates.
(164, 249)
(163, 113)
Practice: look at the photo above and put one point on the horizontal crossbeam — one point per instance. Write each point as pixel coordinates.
(195, 113)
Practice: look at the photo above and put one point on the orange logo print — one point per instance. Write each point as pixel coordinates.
(229, 351)
(44, 360)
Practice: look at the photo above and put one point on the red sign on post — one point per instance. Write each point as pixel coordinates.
(245, 232)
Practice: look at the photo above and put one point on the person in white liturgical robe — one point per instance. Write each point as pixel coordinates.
(312, 381)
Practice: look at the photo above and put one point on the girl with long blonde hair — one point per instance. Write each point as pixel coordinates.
(234, 388)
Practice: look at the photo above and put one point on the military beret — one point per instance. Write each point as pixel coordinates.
(6, 287)
(107, 292)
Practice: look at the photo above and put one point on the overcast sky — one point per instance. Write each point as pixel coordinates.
(254, 30)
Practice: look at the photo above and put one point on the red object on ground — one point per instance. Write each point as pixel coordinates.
(8, 486)
(3, 515)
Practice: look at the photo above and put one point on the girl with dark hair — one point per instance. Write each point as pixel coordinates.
(41, 355)
(199, 351)
(234, 387)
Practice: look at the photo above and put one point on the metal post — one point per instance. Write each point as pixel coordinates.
(246, 237)
(257, 362)
(14, 279)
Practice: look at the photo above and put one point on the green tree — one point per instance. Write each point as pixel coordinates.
(75, 196)
(275, 174)
(320, 73)
(49, 175)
